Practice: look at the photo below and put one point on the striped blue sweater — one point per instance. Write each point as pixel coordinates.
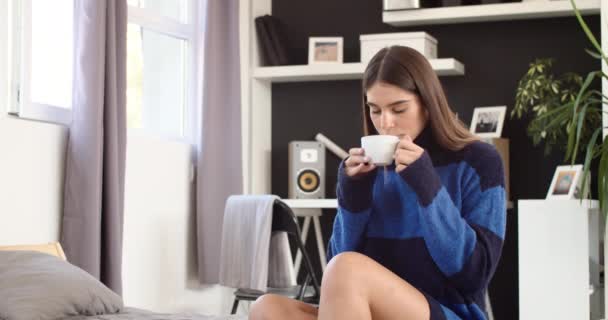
(439, 224)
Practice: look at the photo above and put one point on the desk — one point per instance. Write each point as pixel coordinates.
(310, 209)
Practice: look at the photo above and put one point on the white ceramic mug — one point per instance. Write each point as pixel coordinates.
(380, 148)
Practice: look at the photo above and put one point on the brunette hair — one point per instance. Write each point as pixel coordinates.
(407, 69)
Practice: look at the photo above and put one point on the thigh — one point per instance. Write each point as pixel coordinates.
(273, 306)
(388, 295)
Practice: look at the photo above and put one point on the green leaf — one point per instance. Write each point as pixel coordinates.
(588, 157)
(594, 54)
(579, 128)
(602, 179)
(588, 32)
(571, 136)
(599, 93)
(582, 95)
(590, 77)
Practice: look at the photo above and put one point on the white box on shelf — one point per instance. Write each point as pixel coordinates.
(421, 41)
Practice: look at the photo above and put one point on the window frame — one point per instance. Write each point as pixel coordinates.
(186, 31)
(4, 55)
(19, 35)
(20, 94)
(11, 59)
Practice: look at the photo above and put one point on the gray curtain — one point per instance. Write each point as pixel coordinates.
(219, 160)
(95, 162)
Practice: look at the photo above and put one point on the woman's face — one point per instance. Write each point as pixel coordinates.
(395, 111)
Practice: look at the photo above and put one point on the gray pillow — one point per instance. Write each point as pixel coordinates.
(36, 285)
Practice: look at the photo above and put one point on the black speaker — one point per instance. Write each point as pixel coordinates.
(306, 170)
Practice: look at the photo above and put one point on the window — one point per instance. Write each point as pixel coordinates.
(42, 54)
(36, 69)
(160, 62)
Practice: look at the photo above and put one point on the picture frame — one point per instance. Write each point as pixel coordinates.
(566, 182)
(487, 122)
(325, 50)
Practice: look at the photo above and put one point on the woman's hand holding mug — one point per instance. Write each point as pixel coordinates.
(357, 163)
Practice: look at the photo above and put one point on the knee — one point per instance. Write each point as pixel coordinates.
(265, 308)
(344, 272)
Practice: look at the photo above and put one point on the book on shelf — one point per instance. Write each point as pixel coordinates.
(272, 40)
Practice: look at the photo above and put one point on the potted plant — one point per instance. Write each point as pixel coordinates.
(589, 103)
(568, 108)
(544, 95)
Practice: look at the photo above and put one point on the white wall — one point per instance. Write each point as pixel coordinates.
(159, 263)
(32, 157)
(159, 257)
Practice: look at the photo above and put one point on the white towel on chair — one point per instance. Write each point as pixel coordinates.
(246, 245)
(281, 273)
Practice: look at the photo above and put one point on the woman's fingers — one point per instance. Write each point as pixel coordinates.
(368, 167)
(356, 156)
(358, 162)
(400, 167)
(405, 157)
(353, 161)
(359, 169)
(356, 151)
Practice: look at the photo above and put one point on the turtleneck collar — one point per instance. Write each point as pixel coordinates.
(426, 139)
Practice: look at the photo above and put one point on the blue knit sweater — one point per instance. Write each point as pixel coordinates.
(439, 224)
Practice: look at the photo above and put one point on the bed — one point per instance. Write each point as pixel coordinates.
(138, 314)
(37, 282)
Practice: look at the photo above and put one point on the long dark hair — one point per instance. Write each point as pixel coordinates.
(407, 69)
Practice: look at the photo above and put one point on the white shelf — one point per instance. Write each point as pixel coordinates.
(344, 71)
(489, 12)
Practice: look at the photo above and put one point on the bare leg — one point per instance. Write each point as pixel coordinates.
(271, 307)
(357, 287)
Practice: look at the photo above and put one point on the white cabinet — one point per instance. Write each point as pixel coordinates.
(559, 252)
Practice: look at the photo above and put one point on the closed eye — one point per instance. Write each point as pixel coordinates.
(374, 110)
(400, 110)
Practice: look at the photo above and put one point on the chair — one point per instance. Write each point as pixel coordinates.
(283, 219)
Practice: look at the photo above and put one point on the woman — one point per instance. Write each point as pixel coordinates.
(422, 240)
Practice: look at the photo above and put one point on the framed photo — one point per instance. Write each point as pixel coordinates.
(487, 121)
(323, 50)
(566, 182)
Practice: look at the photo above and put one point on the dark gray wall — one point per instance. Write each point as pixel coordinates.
(495, 55)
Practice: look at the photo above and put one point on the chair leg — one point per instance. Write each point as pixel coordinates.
(302, 291)
(235, 305)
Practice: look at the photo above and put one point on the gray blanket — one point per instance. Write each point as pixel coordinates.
(250, 258)
(138, 314)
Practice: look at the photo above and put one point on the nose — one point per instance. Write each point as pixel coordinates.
(387, 120)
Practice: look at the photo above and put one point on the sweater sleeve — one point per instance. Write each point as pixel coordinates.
(464, 243)
(354, 209)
